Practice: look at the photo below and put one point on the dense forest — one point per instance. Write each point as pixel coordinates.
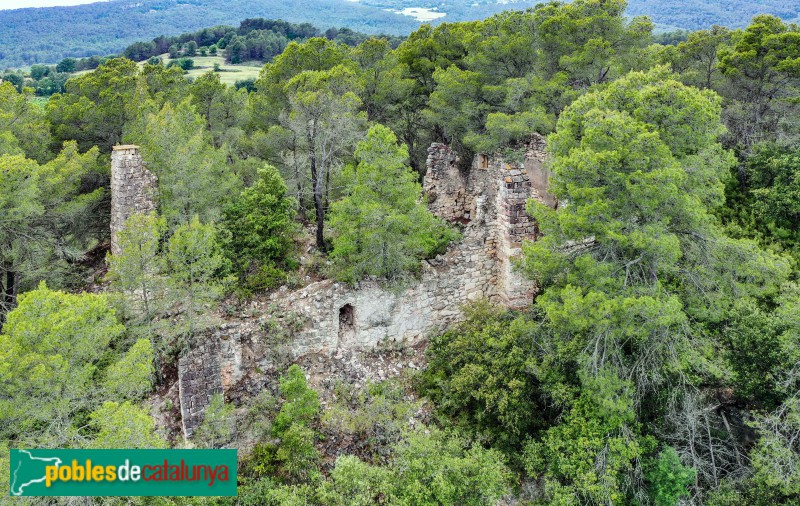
(658, 363)
(48, 35)
(256, 41)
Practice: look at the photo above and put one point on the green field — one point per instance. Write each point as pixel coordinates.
(228, 74)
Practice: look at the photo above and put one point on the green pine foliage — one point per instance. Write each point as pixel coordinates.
(382, 228)
(301, 405)
(259, 230)
(482, 375)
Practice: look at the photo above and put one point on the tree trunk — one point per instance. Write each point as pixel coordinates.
(319, 206)
(317, 181)
(9, 292)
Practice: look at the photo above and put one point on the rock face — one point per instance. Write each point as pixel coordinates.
(488, 202)
(133, 189)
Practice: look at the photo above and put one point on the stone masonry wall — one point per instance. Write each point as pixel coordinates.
(199, 379)
(488, 202)
(133, 189)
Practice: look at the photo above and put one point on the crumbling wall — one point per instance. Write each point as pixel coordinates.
(133, 189)
(535, 159)
(199, 379)
(445, 186)
(488, 202)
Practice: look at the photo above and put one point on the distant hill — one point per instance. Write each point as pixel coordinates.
(47, 35)
(699, 14)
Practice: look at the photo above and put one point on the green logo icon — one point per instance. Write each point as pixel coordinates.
(122, 473)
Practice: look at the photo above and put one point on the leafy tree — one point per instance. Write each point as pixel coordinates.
(236, 51)
(248, 85)
(39, 71)
(382, 227)
(482, 375)
(460, 104)
(380, 76)
(354, 482)
(194, 263)
(431, 48)
(46, 211)
(758, 352)
(191, 48)
(696, 59)
(428, 467)
(419, 56)
(139, 51)
(668, 478)
(297, 454)
(16, 80)
(23, 125)
(219, 423)
(259, 228)
(194, 178)
(184, 64)
(50, 350)
(316, 54)
(634, 267)
(773, 179)
(301, 404)
(135, 270)
(124, 425)
(68, 65)
(503, 48)
(20, 201)
(325, 121)
(131, 377)
(96, 106)
(204, 91)
(227, 112)
(589, 40)
(763, 64)
(589, 456)
(440, 468)
(686, 165)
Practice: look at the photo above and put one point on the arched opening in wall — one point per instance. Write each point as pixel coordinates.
(347, 323)
(483, 161)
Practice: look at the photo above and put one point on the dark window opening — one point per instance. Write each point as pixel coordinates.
(346, 317)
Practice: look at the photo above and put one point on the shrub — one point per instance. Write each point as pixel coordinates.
(259, 228)
(302, 403)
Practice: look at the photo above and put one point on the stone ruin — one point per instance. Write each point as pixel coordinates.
(488, 202)
(133, 189)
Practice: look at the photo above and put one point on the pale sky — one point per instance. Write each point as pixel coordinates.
(19, 4)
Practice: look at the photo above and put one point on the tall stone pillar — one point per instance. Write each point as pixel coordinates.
(133, 189)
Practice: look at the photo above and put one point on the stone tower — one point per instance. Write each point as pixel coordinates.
(133, 189)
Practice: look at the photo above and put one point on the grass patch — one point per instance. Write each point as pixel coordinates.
(228, 74)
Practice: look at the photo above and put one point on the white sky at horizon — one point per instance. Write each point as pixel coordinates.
(21, 4)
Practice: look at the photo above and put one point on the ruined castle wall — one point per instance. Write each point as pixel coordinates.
(487, 202)
(343, 317)
(199, 378)
(538, 172)
(133, 189)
